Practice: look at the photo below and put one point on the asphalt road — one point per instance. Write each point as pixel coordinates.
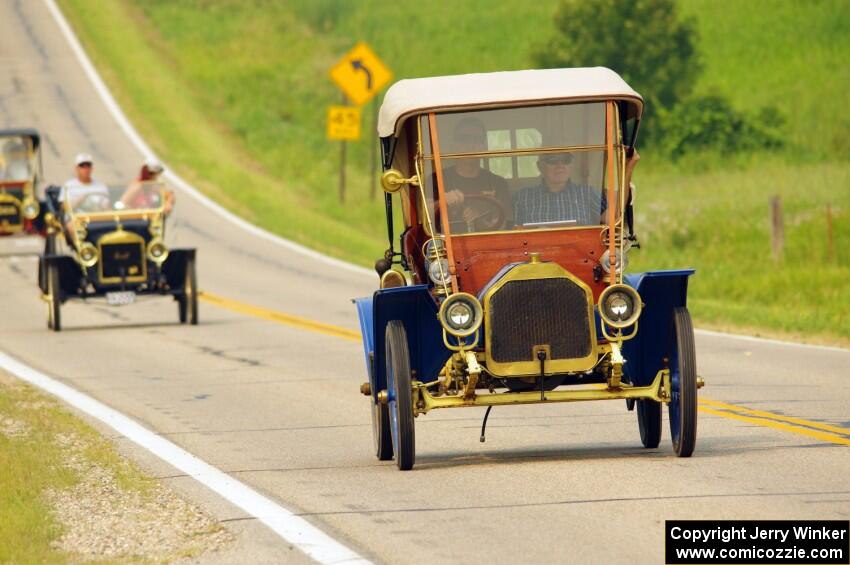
(277, 405)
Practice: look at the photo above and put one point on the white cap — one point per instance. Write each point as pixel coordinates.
(153, 165)
(83, 158)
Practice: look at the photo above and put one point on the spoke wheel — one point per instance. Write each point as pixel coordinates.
(649, 422)
(54, 302)
(683, 385)
(400, 389)
(188, 302)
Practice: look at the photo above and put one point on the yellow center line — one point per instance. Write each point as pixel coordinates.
(778, 425)
(708, 406)
(770, 415)
(280, 317)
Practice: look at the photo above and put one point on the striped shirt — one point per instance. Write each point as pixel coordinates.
(538, 204)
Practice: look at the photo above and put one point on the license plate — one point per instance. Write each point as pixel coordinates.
(120, 298)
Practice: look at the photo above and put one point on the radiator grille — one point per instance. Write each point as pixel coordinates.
(10, 213)
(123, 260)
(525, 313)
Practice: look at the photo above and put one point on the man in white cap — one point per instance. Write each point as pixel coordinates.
(82, 187)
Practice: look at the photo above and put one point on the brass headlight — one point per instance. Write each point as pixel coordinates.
(88, 254)
(461, 314)
(438, 272)
(157, 251)
(619, 306)
(30, 209)
(393, 279)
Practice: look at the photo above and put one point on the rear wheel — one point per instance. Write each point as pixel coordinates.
(683, 385)
(188, 302)
(400, 389)
(54, 301)
(649, 422)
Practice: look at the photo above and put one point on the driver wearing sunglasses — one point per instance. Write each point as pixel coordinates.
(557, 199)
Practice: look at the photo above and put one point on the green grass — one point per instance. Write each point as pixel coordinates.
(32, 462)
(234, 96)
(791, 54)
(718, 222)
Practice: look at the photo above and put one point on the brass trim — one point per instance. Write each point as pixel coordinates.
(392, 180)
(658, 391)
(537, 271)
(394, 278)
(535, 230)
(638, 305)
(517, 152)
(90, 262)
(121, 236)
(477, 313)
(5, 197)
(154, 242)
(27, 202)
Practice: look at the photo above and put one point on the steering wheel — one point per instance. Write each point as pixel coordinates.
(489, 213)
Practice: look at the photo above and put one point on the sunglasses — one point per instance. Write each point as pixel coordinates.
(84, 165)
(557, 159)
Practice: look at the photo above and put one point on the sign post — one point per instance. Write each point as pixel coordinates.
(360, 74)
(343, 125)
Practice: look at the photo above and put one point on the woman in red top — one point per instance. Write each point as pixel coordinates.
(144, 192)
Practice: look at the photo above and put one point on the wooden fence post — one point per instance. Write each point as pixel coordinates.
(777, 228)
(830, 244)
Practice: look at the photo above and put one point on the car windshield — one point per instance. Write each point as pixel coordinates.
(518, 168)
(14, 159)
(131, 198)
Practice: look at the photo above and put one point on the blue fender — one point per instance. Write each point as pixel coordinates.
(661, 292)
(417, 310)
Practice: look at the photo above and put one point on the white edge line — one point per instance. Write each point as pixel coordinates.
(172, 177)
(294, 529)
(771, 341)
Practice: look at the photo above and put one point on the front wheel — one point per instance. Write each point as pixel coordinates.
(683, 384)
(54, 301)
(188, 302)
(400, 389)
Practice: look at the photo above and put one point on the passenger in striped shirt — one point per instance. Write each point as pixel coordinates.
(557, 199)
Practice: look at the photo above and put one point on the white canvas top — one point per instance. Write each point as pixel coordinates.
(484, 90)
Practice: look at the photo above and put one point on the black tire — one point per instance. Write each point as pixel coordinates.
(401, 408)
(50, 244)
(54, 300)
(683, 405)
(187, 303)
(649, 422)
(381, 434)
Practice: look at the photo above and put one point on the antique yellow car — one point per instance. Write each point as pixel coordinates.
(508, 285)
(109, 242)
(20, 173)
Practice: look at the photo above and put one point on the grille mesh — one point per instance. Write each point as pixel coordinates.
(123, 259)
(526, 313)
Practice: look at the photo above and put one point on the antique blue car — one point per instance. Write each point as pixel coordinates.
(110, 244)
(507, 284)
